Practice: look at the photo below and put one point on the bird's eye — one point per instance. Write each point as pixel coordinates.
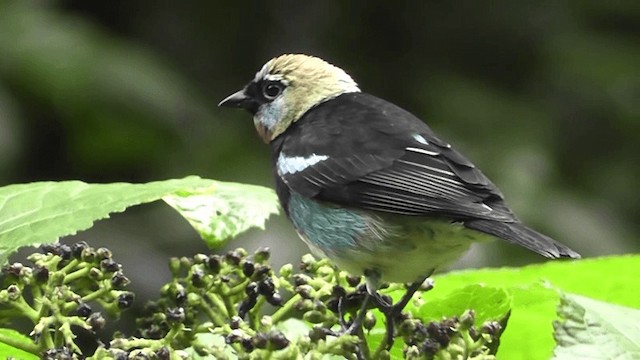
(271, 90)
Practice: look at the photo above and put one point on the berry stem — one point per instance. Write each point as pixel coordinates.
(215, 317)
(238, 289)
(72, 264)
(96, 294)
(218, 303)
(280, 313)
(78, 274)
(254, 313)
(25, 309)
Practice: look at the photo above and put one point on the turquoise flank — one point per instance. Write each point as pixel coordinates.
(328, 229)
(399, 248)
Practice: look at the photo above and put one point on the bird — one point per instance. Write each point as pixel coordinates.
(368, 184)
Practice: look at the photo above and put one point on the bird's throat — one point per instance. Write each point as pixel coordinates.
(264, 133)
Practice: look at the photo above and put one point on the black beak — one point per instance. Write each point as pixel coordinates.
(237, 99)
(240, 99)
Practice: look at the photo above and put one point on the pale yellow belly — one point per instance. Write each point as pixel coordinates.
(410, 252)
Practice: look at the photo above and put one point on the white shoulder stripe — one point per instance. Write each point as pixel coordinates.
(293, 164)
(422, 151)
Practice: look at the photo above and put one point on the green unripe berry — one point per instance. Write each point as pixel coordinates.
(313, 316)
(369, 320)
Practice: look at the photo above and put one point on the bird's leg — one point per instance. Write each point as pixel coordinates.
(411, 289)
(392, 312)
(346, 302)
(355, 325)
(341, 304)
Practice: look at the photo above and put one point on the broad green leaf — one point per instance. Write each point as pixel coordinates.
(224, 210)
(11, 344)
(535, 295)
(588, 277)
(592, 329)
(529, 333)
(489, 303)
(42, 212)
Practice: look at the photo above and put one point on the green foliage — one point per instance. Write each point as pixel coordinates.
(214, 307)
(62, 282)
(16, 345)
(489, 303)
(224, 210)
(97, 85)
(594, 329)
(40, 213)
(235, 305)
(535, 291)
(541, 97)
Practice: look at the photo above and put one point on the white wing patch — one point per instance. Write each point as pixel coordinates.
(419, 138)
(293, 164)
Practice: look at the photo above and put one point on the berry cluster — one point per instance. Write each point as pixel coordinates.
(231, 295)
(452, 338)
(60, 290)
(231, 305)
(227, 291)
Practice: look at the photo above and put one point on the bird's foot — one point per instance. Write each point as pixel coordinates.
(352, 327)
(393, 312)
(346, 304)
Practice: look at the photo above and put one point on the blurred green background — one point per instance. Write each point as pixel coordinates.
(542, 95)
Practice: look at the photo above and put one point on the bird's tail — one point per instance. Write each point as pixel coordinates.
(518, 233)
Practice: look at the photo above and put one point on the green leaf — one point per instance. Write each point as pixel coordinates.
(211, 340)
(592, 329)
(293, 328)
(224, 210)
(529, 334)
(12, 343)
(489, 303)
(588, 277)
(42, 212)
(535, 293)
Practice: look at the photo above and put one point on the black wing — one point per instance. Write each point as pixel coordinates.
(359, 150)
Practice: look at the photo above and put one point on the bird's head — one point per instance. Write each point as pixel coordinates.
(285, 88)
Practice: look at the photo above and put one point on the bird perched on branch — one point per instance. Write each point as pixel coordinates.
(369, 185)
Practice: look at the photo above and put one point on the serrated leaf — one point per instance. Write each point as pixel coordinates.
(224, 210)
(13, 344)
(42, 212)
(535, 292)
(592, 329)
(536, 296)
